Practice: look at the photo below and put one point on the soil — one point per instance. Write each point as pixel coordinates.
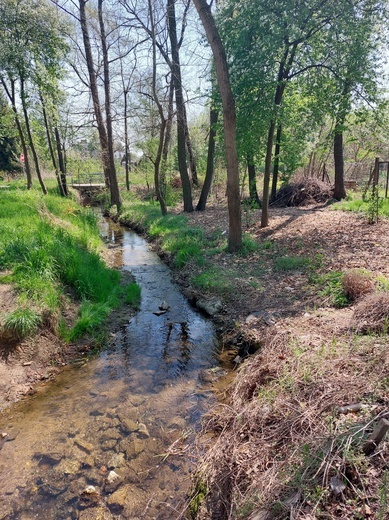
(260, 295)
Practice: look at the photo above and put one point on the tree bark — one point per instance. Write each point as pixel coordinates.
(254, 198)
(162, 128)
(213, 117)
(229, 119)
(50, 145)
(181, 115)
(114, 186)
(30, 139)
(11, 96)
(339, 190)
(94, 92)
(61, 160)
(276, 165)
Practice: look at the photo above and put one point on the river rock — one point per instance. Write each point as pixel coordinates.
(143, 432)
(164, 306)
(210, 307)
(129, 425)
(95, 513)
(108, 444)
(112, 482)
(90, 496)
(120, 498)
(69, 467)
(133, 447)
(116, 460)
(84, 445)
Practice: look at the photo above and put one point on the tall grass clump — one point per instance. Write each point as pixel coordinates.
(51, 247)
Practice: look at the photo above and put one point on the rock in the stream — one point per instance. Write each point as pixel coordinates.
(95, 513)
(119, 499)
(84, 445)
(116, 460)
(112, 482)
(210, 307)
(164, 306)
(90, 496)
(143, 432)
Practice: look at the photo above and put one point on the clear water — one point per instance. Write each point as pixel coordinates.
(133, 410)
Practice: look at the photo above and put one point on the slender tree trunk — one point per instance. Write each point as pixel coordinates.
(126, 142)
(50, 145)
(181, 138)
(276, 166)
(95, 93)
(266, 179)
(61, 161)
(213, 117)
(11, 96)
(30, 139)
(191, 156)
(229, 120)
(167, 138)
(162, 128)
(252, 181)
(114, 186)
(339, 191)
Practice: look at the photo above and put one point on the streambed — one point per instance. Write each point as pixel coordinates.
(113, 438)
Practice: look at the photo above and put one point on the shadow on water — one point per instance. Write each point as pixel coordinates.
(124, 422)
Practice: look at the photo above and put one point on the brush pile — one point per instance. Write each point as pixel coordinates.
(303, 191)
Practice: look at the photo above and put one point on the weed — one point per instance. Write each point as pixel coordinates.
(213, 280)
(20, 323)
(331, 286)
(132, 295)
(291, 263)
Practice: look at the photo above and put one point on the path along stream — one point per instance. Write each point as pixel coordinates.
(123, 422)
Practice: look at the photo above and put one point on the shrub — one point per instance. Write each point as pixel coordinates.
(372, 314)
(357, 283)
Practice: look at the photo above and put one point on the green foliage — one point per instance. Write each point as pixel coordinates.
(249, 245)
(52, 249)
(21, 323)
(198, 498)
(213, 280)
(331, 287)
(291, 263)
(132, 295)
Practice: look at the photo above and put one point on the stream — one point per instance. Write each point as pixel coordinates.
(113, 438)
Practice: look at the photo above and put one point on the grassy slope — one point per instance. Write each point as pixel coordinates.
(50, 246)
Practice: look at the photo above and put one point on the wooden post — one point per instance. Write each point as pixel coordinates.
(376, 437)
(387, 180)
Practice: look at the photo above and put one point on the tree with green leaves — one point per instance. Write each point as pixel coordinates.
(31, 42)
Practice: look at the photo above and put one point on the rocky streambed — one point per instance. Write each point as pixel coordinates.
(113, 438)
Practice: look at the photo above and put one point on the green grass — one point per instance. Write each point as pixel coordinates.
(132, 295)
(331, 287)
(291, 263)
(214, 280)
(51, 246)
(21, 323)
(358, 205)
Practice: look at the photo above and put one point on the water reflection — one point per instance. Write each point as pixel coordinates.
(131, 412)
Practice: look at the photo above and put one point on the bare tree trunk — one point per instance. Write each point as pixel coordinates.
(167, 138)
(189, 148)
(94, 92)
(11, 96)
(114, 186)
(61, 160)
(30, 139)
(276, 166)
(126, 142)
(229, 119)
(266, 179)
(50, 145)
(213, 117)
(339, 190)
(181, 116)
(252, 181)
(162, 128)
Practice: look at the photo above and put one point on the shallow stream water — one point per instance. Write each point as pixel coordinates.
(123, 422)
